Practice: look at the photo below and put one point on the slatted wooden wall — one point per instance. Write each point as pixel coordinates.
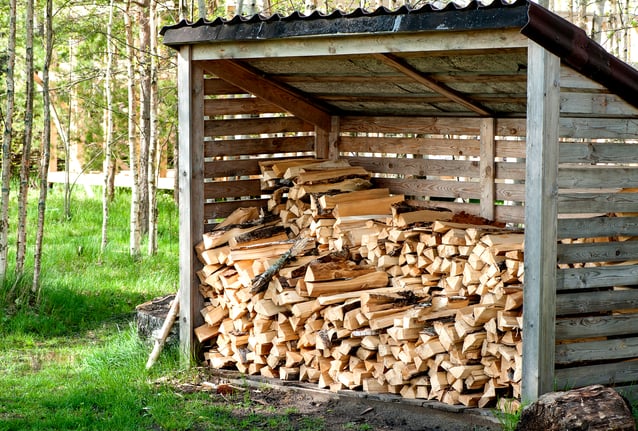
(437, 161)
(239, 131)
(597, 280)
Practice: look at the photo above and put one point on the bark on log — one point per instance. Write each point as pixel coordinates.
(150, 318)
(591, 408)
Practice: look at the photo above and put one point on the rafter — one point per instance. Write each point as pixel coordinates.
(442, 89)
(287, 98)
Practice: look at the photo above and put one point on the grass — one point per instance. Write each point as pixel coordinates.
(73, 361)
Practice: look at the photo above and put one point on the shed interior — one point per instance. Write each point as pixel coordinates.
(504, 111)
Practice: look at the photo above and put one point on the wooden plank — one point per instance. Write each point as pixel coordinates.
(595, 326)
(327, 141)
(543, 112)
(216, 86)
(593, 302)
(404, 67)
(600, 350)
(258, 146)
(191, 200)
(576, 203)
(616, 251)
(597, 105)
(599, 177)
(487, 168)
(238, 106)
(601, 276)
(345, 45)
(598, 128)
(593, 227)
(255, 126)
(595, 152)
(231, 189)
(426, 125)
(610, 374)
(231, 168)
(412, 145)
(420, 167)
(287, 98)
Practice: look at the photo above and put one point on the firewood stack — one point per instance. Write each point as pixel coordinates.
(383, 298)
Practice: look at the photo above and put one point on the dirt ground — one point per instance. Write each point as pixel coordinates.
(346, 410)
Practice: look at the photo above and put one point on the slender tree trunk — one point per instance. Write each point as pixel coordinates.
(46, 146)
(153, 164)
(25, 162)
(201, 6)
(134, 228)
(108, 144)
(6, 141)
(145, 116)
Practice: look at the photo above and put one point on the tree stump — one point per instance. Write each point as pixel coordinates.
(591, 408)
(150, 318)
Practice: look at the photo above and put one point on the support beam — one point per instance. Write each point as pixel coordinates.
(487, 167)
(541, 220)
(254, 82)
(327, 141)
(190, 87)
(402, 66)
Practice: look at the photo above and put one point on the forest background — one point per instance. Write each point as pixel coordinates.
(86, 86)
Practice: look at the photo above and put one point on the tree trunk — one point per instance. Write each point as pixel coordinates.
(590, 408)
(46, 146)
(134, 227)
(25, 162)
(6, 141)
(153, 163)
(144, 120)
(108, 144)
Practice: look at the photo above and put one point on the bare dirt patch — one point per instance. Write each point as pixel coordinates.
(347, 410)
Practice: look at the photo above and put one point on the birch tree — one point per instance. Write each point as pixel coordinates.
(134, 226)
(25, 161)
(144, 66)
(7, 137)
(46, 145)
(108, 141)
(153, 153)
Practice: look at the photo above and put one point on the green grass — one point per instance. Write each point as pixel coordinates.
(73, 361)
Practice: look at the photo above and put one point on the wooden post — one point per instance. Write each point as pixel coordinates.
(191, 194)
(487, 167)
(541, 190)
(327, 141)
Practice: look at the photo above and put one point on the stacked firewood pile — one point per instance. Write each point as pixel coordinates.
(375, 294)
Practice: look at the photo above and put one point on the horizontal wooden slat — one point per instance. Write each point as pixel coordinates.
(596, 326)
(510, 171)
(607, 374)
(220, 210)
(417, 146)
(440, 188)
(231, 189)
(594, 302)
(238, 106)
(428, 125)
(600, 276)
(597, 177)
(255, 126)
(593, 227)
(603, 350)
(231, 168)
(420, 167)
(598, 128)
(616, 251)
(250, 147)
(575, 203)
(598, 105)
(217, 86)
(593, 152)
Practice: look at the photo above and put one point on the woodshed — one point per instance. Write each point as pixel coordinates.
(503, 111)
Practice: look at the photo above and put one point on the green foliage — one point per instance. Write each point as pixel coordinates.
(508, 417)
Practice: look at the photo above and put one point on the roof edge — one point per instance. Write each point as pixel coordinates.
(572, 45)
